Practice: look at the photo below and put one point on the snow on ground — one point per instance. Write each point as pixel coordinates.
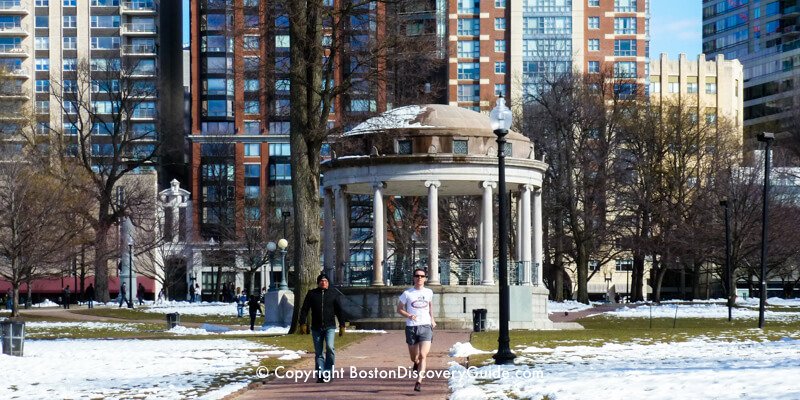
(566, 305)
(40, 328)
(698, 311)
(163, 369)
(186, 308)
(365, 331)
(698, 369)
(268, 330)
(464, 350)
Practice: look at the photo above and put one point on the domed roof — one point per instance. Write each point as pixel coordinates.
(428, 118)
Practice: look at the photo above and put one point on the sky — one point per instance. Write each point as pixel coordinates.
(675, 27)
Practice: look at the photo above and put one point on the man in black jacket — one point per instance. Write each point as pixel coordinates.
(324, 305)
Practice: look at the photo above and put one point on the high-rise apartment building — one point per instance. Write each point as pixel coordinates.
(508, 46)
(71, 57)
(763, 36)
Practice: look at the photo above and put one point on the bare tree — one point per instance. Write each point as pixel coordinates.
(38, 227)
(102, 104)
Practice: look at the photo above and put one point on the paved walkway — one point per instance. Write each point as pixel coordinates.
(379, 351)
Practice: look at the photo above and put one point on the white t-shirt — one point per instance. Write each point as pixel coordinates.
(418, 302)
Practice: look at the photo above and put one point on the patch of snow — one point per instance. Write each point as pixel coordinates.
(365, 331)
(400, 117)
(703, 369)
(163, 369)
(269, 330)
(44, 326)
(698, 311)
(186, 308)
(464, 350)
(293, 356)
(566, 305)
(46, 303)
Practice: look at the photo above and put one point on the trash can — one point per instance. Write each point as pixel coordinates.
(479, 320)
(173, 320)
(13, 336)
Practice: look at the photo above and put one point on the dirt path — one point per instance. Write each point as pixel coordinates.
(378, 352)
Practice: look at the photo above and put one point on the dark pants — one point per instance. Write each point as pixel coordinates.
(66, 301)
(252, 320)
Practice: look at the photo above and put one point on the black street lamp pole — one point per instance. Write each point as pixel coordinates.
(501, 117)
(728, 270)
(130, 274)
(767, 138)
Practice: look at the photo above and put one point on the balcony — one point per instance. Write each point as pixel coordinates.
(12, 7)
(147, 113)
(14, 94)
(790, 12)
(139, 7)
(22, 73)
(139, 49)
(142, 73)
(13, 29)
(13, 50)
(138, 29)
(791, 31)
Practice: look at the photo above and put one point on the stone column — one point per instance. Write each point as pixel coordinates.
(525, 216)
(487, 261)
(538, 252)
(379, 234)
(328, 249)
(433, 231)
(519, 229)
(342, 235)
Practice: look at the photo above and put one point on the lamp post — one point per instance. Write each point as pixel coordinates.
(283, 244)
(273, 286)
(766, 138)
(501, 121)
(130, 273)
(728, 271)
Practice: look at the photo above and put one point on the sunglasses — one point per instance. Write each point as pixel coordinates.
(419, 276)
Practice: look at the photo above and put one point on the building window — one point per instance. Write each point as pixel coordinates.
(252, 149)
(105, 21)
(711, 88)
(460, 146)
(280, 149)
(280, 128)
(711, 116)
(674, 87)
(42, 21)
(42, 86)
(594, 67)
(42, 128)
(41, 43)
(282, 41)
(594, 22)
(70, 3)
(251, 42)
(499, 89)
(250, 85)
(70, 21)
(469, 6)
(43, 64)
(469, 27)
(594, 44)
(469, 49)
(594, 3)
(625, 26)
(469, 92)
(469, 70)
(500, 24)
(624, 265)
(42, 3)
(404, 147)
(500, 67)
(625, 69)
(42, 107)
(500, 3)
(252, 127)
(70, 42)
(105, 42)
(655, 87)
(625, 5)
(691, 87)
(500, 46)
(625, 48)
(252, 107)
(283, 85)
(280, 172)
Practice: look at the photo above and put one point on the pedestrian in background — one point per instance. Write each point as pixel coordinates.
(140, 294)
(122, 294)
(90, 295)
(254, 306)
(66, 298)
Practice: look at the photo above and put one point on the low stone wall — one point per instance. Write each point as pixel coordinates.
(453, 305)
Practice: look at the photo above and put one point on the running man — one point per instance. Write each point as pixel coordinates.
(416, 304)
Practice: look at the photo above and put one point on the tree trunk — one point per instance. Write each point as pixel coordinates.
(15, 301)
(582, 266)
(637, 277)
(101, 261)
(659, 280)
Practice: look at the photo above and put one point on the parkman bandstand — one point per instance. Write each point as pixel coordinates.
(435, 151)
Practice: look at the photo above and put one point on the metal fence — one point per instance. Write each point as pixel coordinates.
(452, 272)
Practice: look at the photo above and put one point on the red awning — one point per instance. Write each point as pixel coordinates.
(56, 285)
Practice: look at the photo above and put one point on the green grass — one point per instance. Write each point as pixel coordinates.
(142, 331)
(139, 315)
(600, 330)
